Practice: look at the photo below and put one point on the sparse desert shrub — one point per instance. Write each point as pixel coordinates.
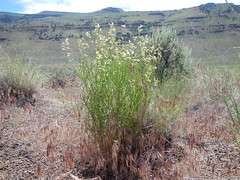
(173, 58)
(18, 80)
(128, 114)
(118, 84)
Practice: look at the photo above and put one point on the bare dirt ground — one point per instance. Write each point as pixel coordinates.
(44, 142)
(33, 141)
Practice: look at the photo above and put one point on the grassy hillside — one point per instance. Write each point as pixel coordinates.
(210, 30)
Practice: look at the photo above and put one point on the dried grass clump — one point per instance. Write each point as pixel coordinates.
(59, 77)
(18, 81)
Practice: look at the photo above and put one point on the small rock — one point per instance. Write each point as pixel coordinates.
(15, 146)
(2, 145)
(22, 152)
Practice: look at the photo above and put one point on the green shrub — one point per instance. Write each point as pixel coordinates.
(234, 114)
(18, 79)
(173, 58)
(128, 111)
(118, 84)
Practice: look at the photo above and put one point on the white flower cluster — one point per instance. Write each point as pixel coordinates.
(66, 47)
(113, 58)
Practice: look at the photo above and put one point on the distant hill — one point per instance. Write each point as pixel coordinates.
(111, 10)
(211, 30)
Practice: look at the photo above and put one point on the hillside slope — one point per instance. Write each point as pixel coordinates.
(211, 30)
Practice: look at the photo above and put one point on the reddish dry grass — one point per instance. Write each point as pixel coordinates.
(209, 152)
(198, 146)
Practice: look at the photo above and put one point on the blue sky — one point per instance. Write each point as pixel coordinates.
(36, 6)
(10, 6)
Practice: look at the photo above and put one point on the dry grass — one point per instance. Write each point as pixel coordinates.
(209, 150)
(19, 80)
(57, 146)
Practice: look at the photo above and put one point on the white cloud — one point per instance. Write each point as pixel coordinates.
(35, 6)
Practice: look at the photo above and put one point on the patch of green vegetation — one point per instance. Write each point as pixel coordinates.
(234, 114)
(124, 104)
(173, 58)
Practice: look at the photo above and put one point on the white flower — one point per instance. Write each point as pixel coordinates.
(97, 26)
(88, 35)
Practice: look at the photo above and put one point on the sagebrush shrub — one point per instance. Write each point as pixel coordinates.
(173, 58)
